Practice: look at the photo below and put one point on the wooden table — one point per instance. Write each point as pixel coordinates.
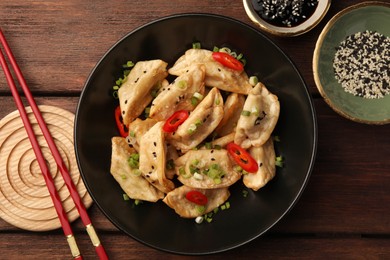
(344, 211)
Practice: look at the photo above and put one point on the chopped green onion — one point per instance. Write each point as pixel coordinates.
(277, 138)
(133, 161)
(137, 172)
(196, 45)
(199, 219)
(279, 161)
(126, 197)
(217, 181)
(126, 73)
(217, 147)
(192, 128)
(253, 80)
(198, 95)
(245, 193)
(201, 209)
(240, 56)
(217, 101)
(182, 84)
(198, 176)
(128, 64)
(194, 101)
(225, 49)
(198, 122)
(115, 94)
(209, 220)
(137, 202)
(132, 133)
(195, 162)
(255, 111)
(208, 145)
(215, 49)
(238, 168)
(124, 177)
(115, 87)
(184, 174)
(245, 113)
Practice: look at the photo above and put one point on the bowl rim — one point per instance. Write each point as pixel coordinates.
(316, 56)
(322, 9)
(313, 119)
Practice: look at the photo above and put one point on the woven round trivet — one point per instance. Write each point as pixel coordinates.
(24, 199)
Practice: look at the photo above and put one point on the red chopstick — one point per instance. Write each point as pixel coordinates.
(41, 160)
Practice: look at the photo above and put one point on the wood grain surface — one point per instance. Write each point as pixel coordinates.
(344, 210)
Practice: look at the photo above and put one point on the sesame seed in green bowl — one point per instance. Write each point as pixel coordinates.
(351, 63)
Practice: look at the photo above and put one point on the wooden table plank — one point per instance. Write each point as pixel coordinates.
(120, 246)
(58, 44)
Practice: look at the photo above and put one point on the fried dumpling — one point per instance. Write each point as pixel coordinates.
(133, 184)
(179, 94)
(206, 169)
(223, 141)
(217, 75)
(152, 158)
(137, 129)
(201, 122)
(135, 94)
(232, 111)
(176, 199)
(265, 158)
(258, 119)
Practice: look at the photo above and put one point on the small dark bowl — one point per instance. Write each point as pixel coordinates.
(155, 224)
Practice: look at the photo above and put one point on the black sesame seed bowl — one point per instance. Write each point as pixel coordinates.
(351, 63)
(285, 17)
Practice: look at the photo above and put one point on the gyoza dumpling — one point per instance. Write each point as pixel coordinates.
(179, 94)
(206, 169)
(232, 111)
(152, 158)
(176, 199)
(201, 122)
(137, 129)
(258, 119)
(217, 75)
(135, 93)
(265, 158)
(135, 186)
(223, 141)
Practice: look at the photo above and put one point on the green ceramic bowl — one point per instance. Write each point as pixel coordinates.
(373, 16)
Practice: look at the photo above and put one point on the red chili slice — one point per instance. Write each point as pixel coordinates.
(228, 61)
(175, 120)
(242, 158)
(123, 130)
(196, 197)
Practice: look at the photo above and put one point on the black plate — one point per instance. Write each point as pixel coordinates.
(155, 224)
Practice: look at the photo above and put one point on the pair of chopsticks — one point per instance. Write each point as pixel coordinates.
(41, 160)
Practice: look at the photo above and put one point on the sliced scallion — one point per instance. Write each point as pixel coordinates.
(196, 45)
(126, 197)
(245, 113)
(253, 80)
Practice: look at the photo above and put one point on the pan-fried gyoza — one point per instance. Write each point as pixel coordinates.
(207, 126)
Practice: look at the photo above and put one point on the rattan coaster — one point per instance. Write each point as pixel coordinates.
(24, 199)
